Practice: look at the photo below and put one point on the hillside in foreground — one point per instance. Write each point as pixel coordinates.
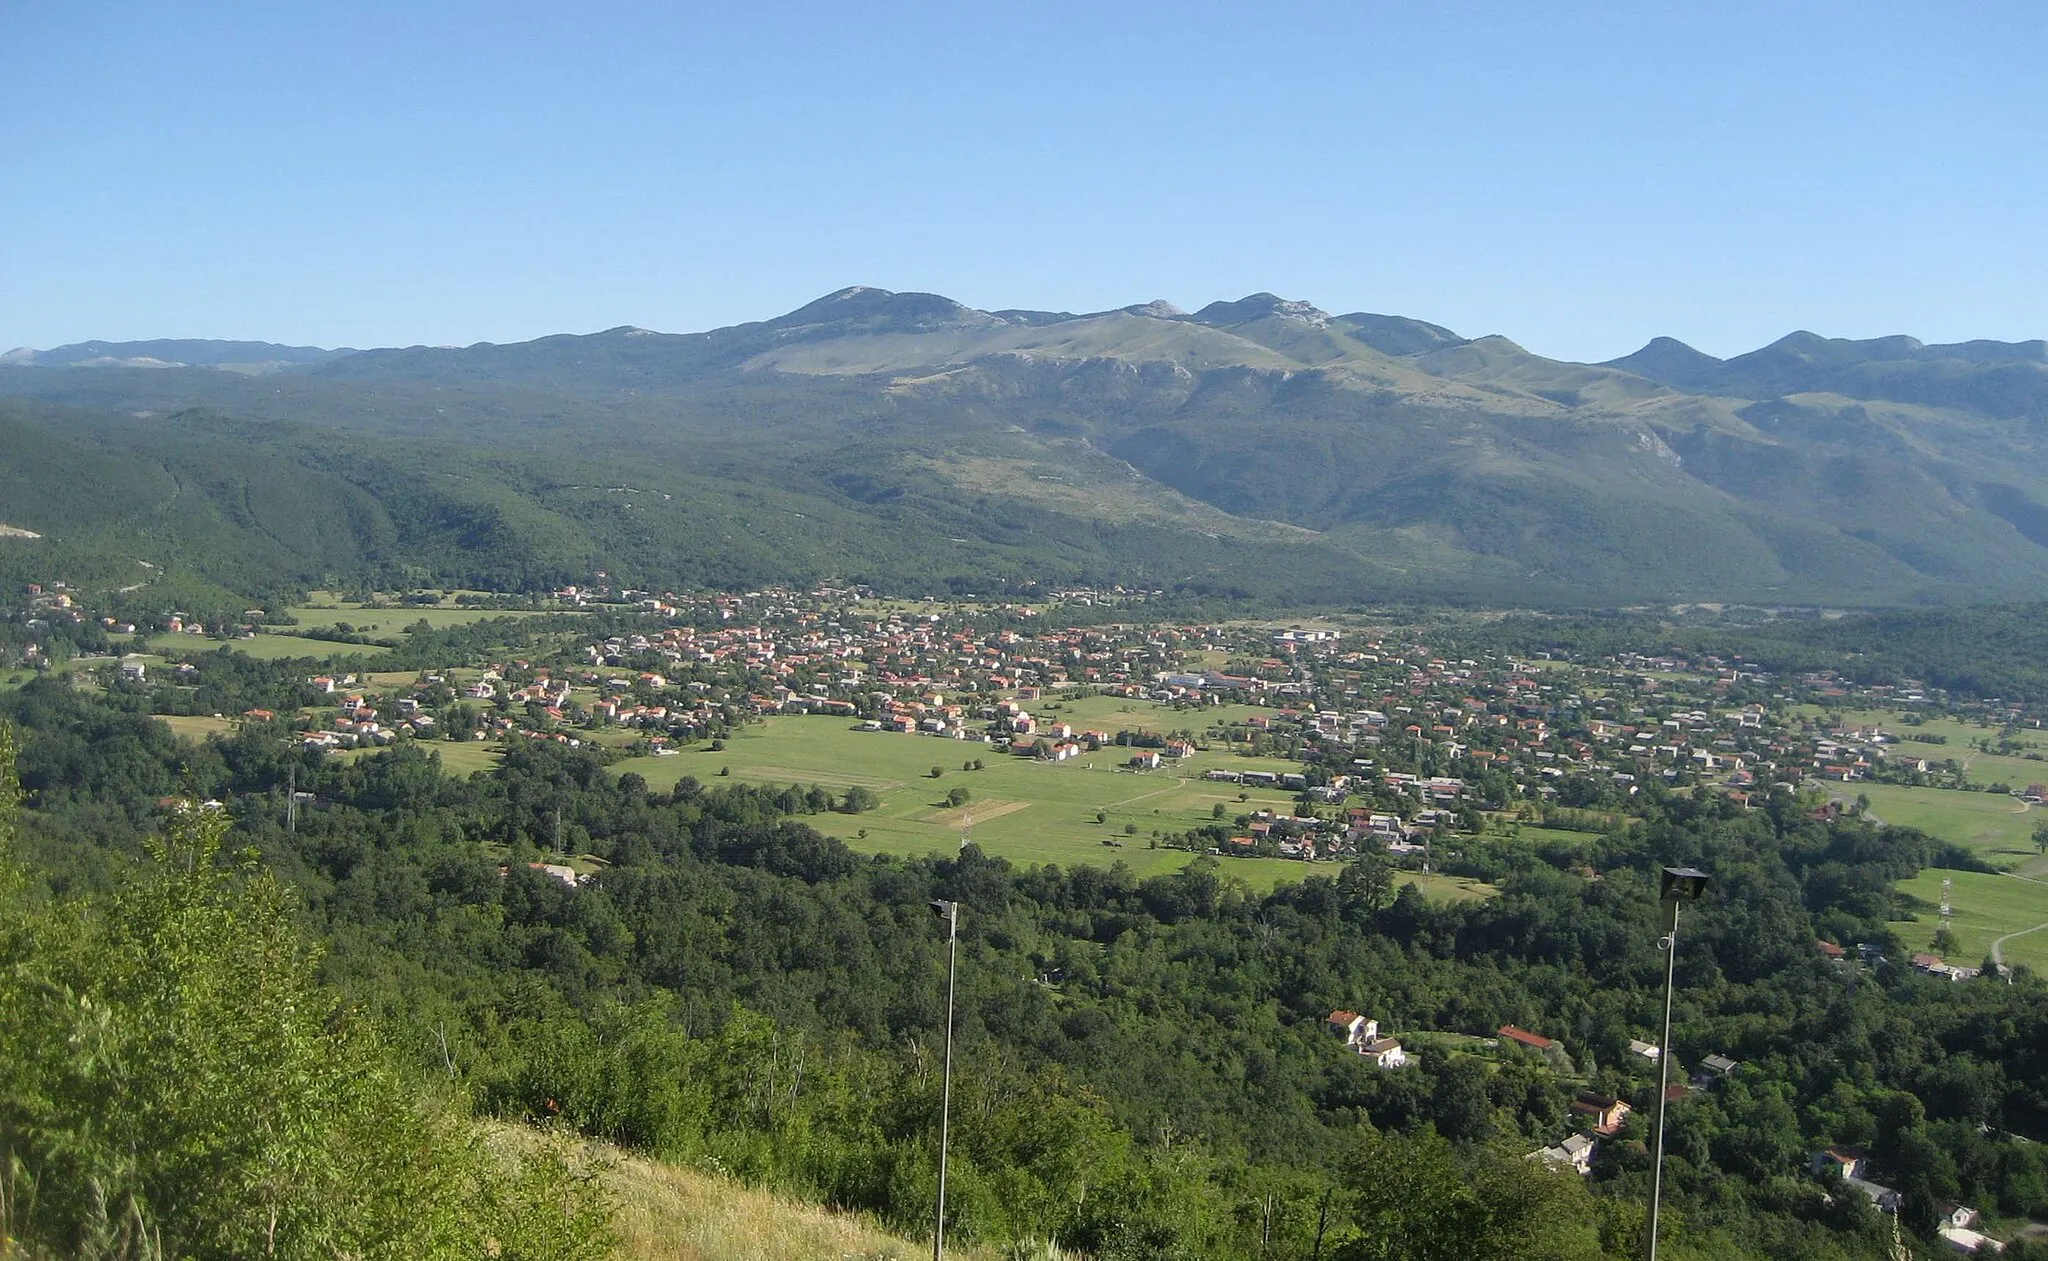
(672, 1213)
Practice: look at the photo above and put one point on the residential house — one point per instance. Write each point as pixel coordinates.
(1607, 1112)
(1957, 1225)
(1575, 1153)
(1353, 1028)
(1385, 1052)
(567, 875)
(1711, 1070)
(1534, 1041)
(1850, 1162)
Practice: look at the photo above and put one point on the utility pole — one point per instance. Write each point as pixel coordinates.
(291, 799)
(949, 912)
(1680, 884)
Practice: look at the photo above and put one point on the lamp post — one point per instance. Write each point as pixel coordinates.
(949, 912)
(1680, 884)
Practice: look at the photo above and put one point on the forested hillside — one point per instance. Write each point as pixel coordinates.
(1259, 446)
(1144, 1067)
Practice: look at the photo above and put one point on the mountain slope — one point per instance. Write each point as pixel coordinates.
(250, 357)
(1260, 446)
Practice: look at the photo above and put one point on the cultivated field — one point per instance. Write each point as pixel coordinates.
(1025, 810)
(1986, 908)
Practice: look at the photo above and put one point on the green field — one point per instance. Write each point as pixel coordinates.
(196, 728)
(1450, 888)
(1024, 810)
(1995, 768)
(466, 757)
(393, 619)
(1535, 833)
(263, 647)
(1986, 907)
(1997, 828)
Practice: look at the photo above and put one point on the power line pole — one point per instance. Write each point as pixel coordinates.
(949, 912)
(1680, 884)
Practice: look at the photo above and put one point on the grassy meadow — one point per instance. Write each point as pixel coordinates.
(465, 757)
(1997, 828)
(263, 647)
(196, 728)
(1986, 907)
(391, 619)
(1025, 810)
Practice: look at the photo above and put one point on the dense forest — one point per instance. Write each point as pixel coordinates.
(1143, 1067)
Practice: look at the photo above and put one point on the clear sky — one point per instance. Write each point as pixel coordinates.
(1577, 176)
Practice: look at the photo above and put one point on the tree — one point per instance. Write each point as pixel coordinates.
(937, 771)
(2041, 837)
(180, 1085)
(1216, 811)
(1459, 1103)
(956, 797)
(1416, 1199)
(859, 800)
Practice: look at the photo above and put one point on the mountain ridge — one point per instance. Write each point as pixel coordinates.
(870, 309)
(1261, 444)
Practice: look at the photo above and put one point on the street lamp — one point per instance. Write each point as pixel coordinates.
(949, 912)
(1679, 884)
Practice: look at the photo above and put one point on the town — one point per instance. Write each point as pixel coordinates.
(1053, 732)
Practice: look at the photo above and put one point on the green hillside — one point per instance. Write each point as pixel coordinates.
(1259, 447)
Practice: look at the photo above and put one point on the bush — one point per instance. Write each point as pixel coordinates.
(180, 1085)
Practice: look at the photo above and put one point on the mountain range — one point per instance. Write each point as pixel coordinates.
(1260, 447)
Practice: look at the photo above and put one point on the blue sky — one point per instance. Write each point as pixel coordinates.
(1580, 178)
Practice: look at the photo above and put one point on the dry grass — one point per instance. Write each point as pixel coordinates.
(669, 1213)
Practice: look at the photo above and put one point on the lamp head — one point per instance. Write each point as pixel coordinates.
(1684, 884)
(948, 911)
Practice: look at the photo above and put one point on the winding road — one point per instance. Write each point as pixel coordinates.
(1998, 946)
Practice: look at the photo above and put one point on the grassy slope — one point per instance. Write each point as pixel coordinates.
(1985, 907)
(675, 1213)
(1997, 828)
(672, 1214)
